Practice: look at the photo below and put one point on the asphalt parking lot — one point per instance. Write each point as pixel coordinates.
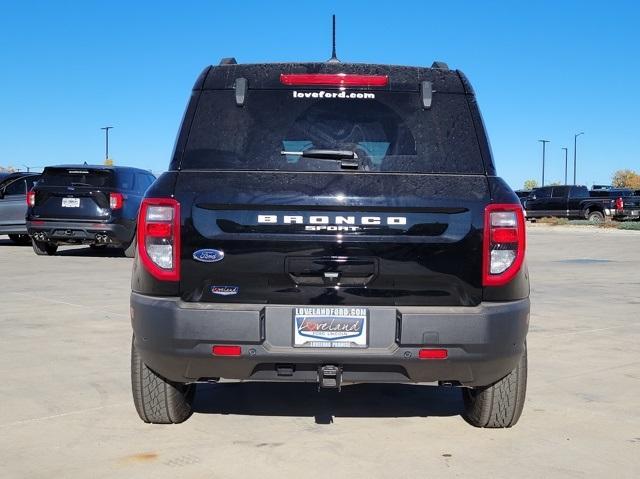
(66, 408)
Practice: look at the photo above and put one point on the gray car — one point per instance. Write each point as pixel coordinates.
(13, 205)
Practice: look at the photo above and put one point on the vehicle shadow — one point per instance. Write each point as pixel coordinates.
(304, 400)
(88, 252)
(8, 242)
(78, 251)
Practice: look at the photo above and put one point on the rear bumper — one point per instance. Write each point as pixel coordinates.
(627, 214)
(80, 232)
(13, 229)
(175, 339)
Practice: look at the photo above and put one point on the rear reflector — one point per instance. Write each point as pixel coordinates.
(159, 230)
(433, 354)
(333, 79)
(504, 235)
(226, 350)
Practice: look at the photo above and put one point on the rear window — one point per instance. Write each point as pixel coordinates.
(388, 131)
(76, 177)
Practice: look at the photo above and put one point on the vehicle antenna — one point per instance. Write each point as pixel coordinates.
(334, 58)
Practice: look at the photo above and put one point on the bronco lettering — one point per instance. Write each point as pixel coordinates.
(337, 220)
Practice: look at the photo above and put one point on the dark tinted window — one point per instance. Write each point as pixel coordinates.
(389, 131)
(31, 181)
(542, 193)
(76, 177)
(579, 192)
(7, 178)
(126, 179)
(18, 187)
(560, 191)
(143, 181)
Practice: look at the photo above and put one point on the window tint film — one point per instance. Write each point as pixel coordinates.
(125, 179)
(31, 180)
(388, 132)
(77, 177)
(579, 192)
(560, 192)
(543, 193)
(143, 182)
(18, 187)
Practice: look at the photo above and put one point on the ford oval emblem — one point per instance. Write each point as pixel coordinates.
(208, 255)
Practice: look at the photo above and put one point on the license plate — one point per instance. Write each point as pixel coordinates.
(330, 327)
(70, 202)
(635, 212)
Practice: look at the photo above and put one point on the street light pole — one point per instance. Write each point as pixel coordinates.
(566, 153)
(544, 145)
(106, 135)
(575, 144)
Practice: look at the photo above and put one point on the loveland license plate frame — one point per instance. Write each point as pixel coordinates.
(330, 327)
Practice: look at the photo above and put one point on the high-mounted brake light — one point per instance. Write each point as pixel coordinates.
(619, 203)
(31, 198)
(116, 200)
(503, 243)
(333, 79)
(159, 237)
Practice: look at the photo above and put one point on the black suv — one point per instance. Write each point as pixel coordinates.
(86, 204)
(13, 204)
(331, 223)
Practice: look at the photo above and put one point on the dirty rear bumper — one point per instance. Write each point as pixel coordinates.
(175, 339)
(80, 232)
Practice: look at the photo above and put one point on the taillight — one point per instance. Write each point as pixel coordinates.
(503, 244)
(115, 201)
(619, 203)
(333, 79)
(159, 237)
(31, 199)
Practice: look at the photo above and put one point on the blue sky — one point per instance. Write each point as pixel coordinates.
(544, 69)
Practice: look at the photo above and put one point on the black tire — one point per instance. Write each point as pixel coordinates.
(158, 400)
(130, 251)
(595, 217)
(499, 405)
(21, 240)
(44, 248)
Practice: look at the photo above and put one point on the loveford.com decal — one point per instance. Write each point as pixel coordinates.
(335, 94)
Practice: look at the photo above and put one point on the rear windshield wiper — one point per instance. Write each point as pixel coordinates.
(78, 183)
(348, 159)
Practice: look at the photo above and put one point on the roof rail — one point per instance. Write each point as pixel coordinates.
(439, 65)
(228, 61)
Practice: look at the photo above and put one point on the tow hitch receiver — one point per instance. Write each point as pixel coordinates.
(329, 377)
